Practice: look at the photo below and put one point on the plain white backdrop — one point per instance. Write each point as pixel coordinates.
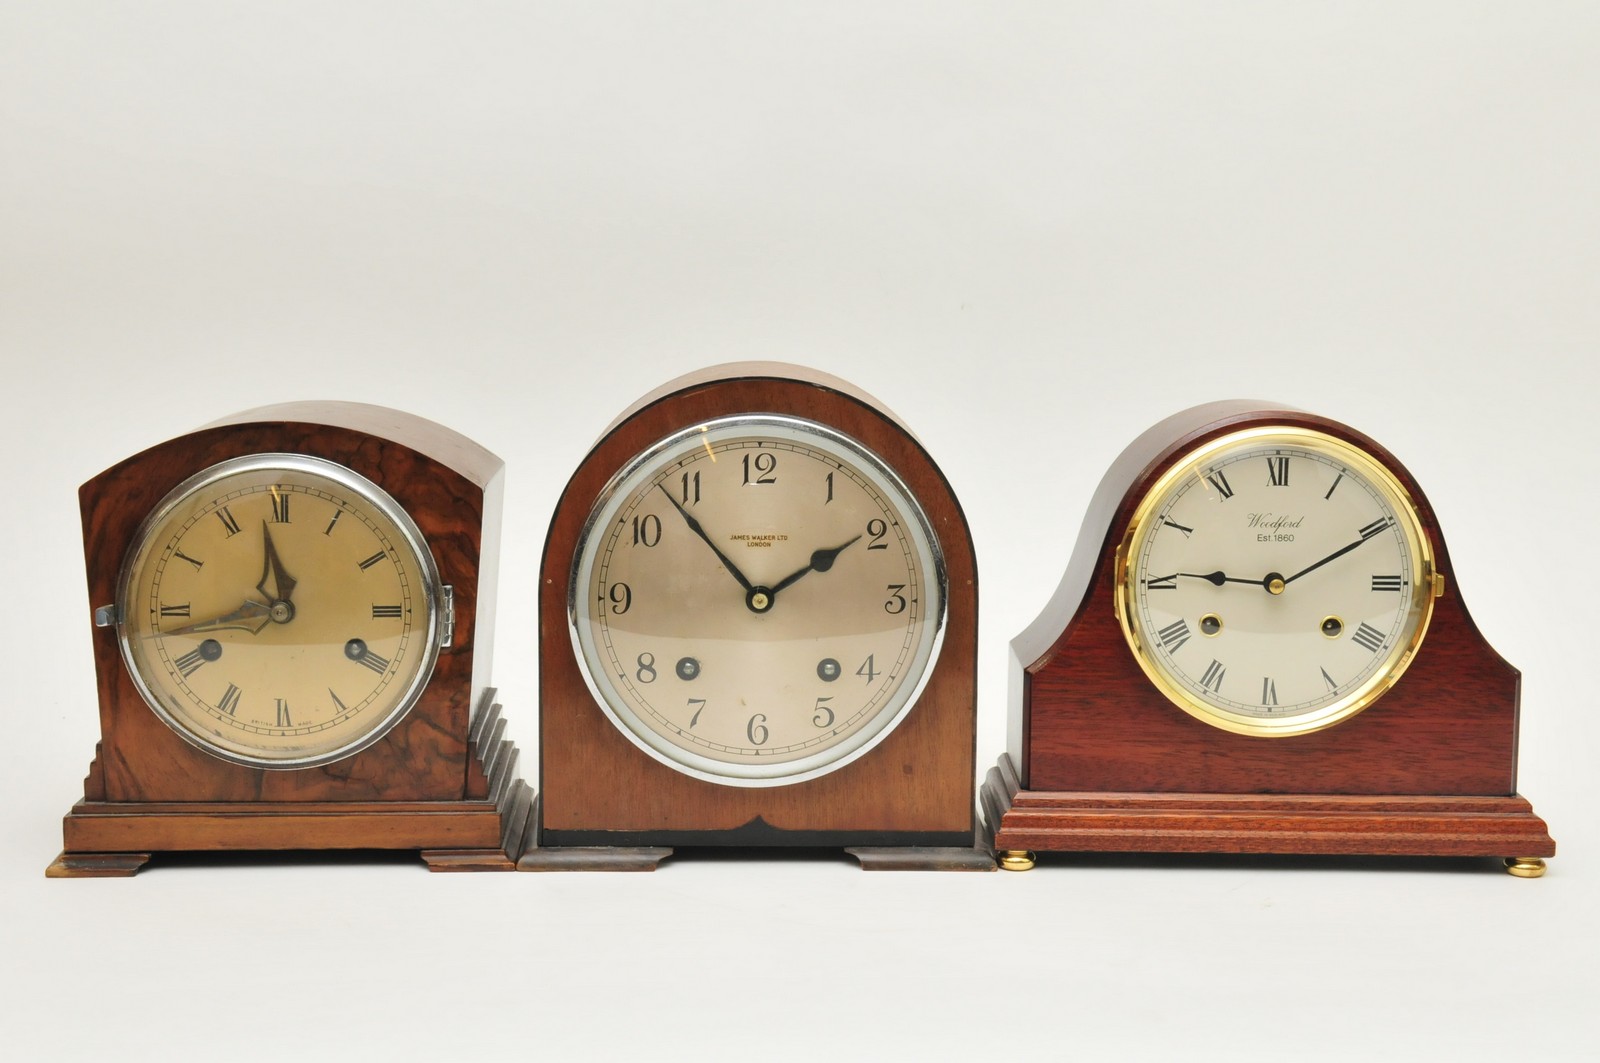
(1032, 229)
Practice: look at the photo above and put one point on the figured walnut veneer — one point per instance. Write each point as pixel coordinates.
(423, 785)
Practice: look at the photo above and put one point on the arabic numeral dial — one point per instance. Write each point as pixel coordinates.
(757, 599)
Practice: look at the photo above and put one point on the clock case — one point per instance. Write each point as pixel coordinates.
(443, 781)
(1098, 760)
(908, 803)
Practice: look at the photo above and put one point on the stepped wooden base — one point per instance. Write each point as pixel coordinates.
(1027, 821)
(115, 839)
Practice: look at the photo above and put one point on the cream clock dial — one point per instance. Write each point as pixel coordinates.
(1275, 581)
(757, 601)
(280, 611)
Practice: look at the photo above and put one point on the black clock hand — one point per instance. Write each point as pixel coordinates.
(821, 561)
(1219, 579)
(1377, 527)
(694, 526)
(272, 568)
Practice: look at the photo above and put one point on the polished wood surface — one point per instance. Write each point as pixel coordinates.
(916, 785)
(1330, 824)
(1095, 722)
(116, 838)
(421, 785)
(1087, 723)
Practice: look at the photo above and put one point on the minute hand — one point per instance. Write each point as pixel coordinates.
(1331, 557)
(821, 561)
(694, 526)
(282, 583)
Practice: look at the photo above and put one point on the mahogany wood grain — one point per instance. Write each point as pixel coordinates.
(420, 786)
(1095, 722)
(1087, 723)
(1334, 824)
(916, 785)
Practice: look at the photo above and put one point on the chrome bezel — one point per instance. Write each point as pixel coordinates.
(369, 494)
(930, 557)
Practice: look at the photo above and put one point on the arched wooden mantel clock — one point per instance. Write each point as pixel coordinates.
(1258, 647)
(293, 612)
(757, 627)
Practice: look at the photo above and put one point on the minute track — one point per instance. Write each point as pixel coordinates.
(790, 603)
(1278, 523)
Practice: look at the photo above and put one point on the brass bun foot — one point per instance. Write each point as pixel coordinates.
(1015, 859)
(1525, 866)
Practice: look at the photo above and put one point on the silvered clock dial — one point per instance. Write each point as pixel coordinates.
(757, 600)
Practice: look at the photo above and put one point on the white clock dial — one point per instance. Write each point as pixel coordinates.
(1275, 581)
(757, 601)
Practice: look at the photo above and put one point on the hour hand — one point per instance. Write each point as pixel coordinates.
(821, 561)
(251, 616)
(276, 585)
(1218, 578)
(694, 526)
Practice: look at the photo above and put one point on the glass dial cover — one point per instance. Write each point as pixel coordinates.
(279, 611)
(1275, 581)
(757, 600)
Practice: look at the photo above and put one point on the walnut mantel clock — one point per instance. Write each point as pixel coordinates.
(757, 628)
(290, 612)
(1258, 647)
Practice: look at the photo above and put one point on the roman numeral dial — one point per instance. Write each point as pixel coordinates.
(252, 582)
(1276, 581)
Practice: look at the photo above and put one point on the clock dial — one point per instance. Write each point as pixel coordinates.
(757, 601)
(280, 611)
(1275, 581)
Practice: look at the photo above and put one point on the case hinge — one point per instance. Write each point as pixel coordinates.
(447, 610)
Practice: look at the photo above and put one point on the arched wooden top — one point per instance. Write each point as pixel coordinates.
(1084, 717)
(917, 782)
(449, 485)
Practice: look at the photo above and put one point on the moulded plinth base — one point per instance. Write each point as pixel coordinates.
(1027, 821)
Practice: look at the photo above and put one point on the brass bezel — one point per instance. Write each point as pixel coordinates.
(1424, 580)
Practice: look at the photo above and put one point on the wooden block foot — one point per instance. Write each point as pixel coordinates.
(593, 858)
(922, 858)
(467, 860)
(96, 865)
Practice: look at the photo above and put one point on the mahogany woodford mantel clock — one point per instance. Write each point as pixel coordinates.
(1258, 647)
(758, 625)
(292, 614)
